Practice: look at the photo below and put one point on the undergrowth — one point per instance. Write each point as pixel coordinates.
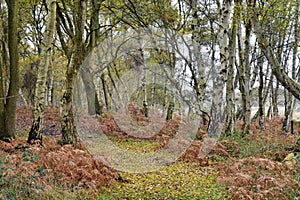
(238, 168)
(256, 167)
(259, 144)
(17, 185)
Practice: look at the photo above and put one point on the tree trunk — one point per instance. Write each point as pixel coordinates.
(50, 88)
(275, 100)
(171, 64)
(68, 128)
(144, 88)
(2, 83)
(244, 79)
(40, 89)
(230, 96)
(199, 83)
(92, 97)
(217, 101)
(225, 57)
(165, 100)
(290, 100)
(141, 63)
(266, 89)
(114, 87)
(247, 108)
(9, 115)
(153, 89)
(261, 105)
(103, 82)
(87, 77)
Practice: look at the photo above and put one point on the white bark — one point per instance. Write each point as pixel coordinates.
(40, 91)
(224, 57)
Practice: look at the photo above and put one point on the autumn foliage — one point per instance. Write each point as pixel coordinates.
(250, 168)
(65, 164)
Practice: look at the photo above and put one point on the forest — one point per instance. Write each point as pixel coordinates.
(150, 99)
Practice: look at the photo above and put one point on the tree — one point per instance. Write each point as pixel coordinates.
(289, 99)
(261, 108)
(277, 69)
(230, 96)
(224, 57)
(246, 75)
(9, 102)
(40, 89)
(76, 54)
(86, 74)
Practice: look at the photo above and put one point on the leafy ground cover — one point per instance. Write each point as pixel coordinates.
(251, 167)
(182, 180)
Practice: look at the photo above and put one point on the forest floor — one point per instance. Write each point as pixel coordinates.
(258, 166)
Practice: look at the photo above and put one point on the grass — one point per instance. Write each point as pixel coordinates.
(181, 180)
(136, 145)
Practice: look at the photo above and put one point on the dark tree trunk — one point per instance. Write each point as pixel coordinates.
(9, 111)
(261, 108)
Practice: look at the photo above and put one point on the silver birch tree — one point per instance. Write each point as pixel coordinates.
(40, 91)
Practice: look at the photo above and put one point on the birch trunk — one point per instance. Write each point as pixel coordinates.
(290, 99)
(275, 100)
(153, 89)
(144, 89)
(225, 68)
(230, 96)
(68, 128)
(40, 90)
(142, 65)
(165, 100)
(217, 101)
(266, 89)
(50, 88)
(199, 84)
(244, 70)
(288, 102)
(247, 107)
